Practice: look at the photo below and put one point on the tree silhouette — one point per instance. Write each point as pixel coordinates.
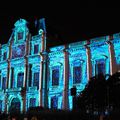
(93, 98)
(100, 95)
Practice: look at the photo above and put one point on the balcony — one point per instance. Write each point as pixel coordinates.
(32, 89)
(13, 90)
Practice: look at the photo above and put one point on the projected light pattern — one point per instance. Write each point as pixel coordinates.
(24, 67)
(18, 51)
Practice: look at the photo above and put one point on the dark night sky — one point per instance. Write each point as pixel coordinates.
(64, 24)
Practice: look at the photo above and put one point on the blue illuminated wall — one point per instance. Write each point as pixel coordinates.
(13, 60)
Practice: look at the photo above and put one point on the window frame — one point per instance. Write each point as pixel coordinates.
(18, 84)
(74, 81)
(56, 68)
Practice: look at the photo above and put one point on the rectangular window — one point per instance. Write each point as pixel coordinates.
(100, 67)
(4, 55)
(4, 83)
(20, 79)
(30, 76)
(54, 102)
(36, 80)
(32, 102)
(20, 35)
(36, 49)
(77, 72)
(55, 77)
(0, 105)
(12, 77)
(18, 51)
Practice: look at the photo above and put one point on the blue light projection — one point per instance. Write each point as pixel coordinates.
(20, 79)
(32, 102)
(4, 55)
(20, 35)
(19, 59)
(77, 74)
(12, 78)
(18, 51)
(36, 79)
(100, 67)
(0, 105)
(36, 49)
(54, 102)
(15, 104)
(4, 83)
(55, 77)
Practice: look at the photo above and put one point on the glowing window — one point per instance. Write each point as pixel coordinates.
(77, 74)
(4, 55)
(100, 67)
(54, 102)
(20, 35)
(36, 79)
(55, 77)
(0, 105)
(32, 102)
(4, 83)
(20, 79)
(36, 48)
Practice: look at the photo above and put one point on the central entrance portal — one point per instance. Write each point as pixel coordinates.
(15, 105)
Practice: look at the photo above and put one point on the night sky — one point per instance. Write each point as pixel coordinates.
(65, 25)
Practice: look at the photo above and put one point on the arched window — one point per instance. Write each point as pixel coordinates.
(20, 79)
(15, 105)
(32, 102)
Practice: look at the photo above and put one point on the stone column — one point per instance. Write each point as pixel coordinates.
(89, 64)
(41, 83)
(113, 67)
(43, 72)
(8, 69)
(8, 75)
(23, 91)
(26, 61)
(66, 79)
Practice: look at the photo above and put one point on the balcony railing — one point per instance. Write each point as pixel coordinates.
(13, 89)
(34, 88)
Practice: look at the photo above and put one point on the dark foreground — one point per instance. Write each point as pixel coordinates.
(57, 115)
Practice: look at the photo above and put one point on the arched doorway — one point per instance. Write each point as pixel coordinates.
(15, 105)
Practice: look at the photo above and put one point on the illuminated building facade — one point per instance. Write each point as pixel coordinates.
(31, 75)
